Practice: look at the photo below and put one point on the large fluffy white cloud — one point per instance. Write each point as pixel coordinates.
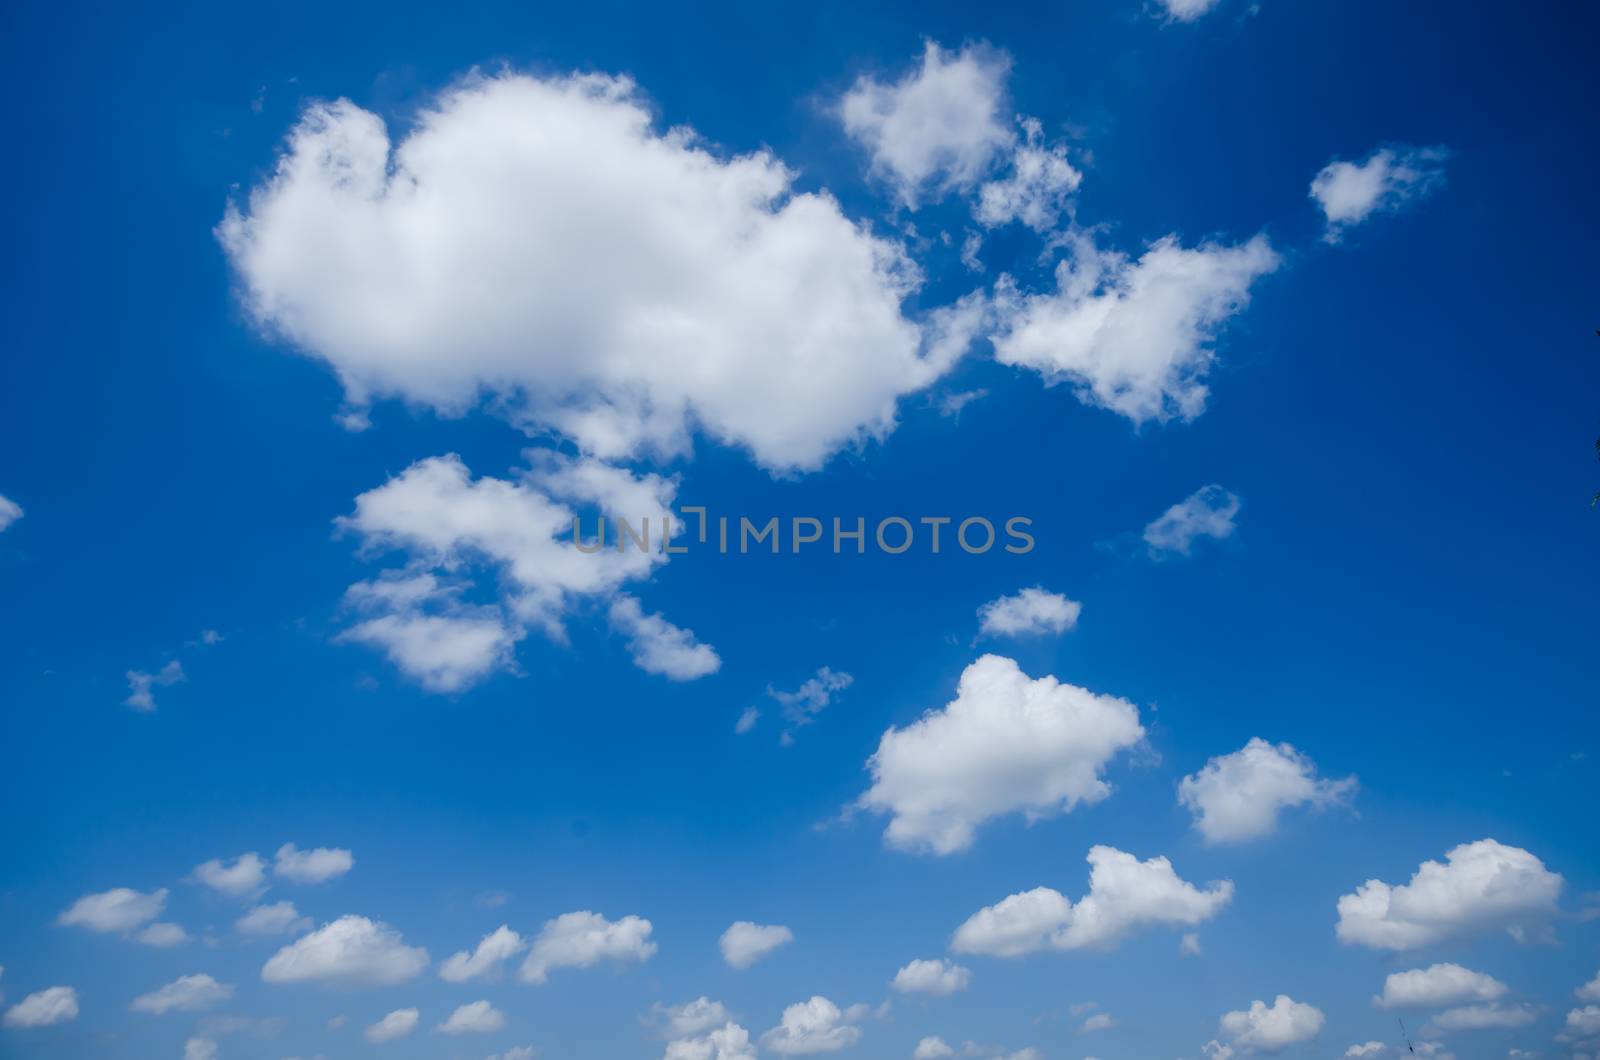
(584, 939)
(538, 242)
(56, 1004)
(938, 977)
(1350, 192)
(397, 1024)
(1125, 894)
(1207, 512)
(1239, 796)
(350, 951)
(1033, 610)
(938, 128)
(745, 943)
(728, 1042)
(238, 879)
(1479, 886)
(814, 1026)
(1436, 986)
(495, 948)
(187, 993)
(124, 911)
(1271, 1028)
(1132, 336)
(311, 866)
(1005, 744)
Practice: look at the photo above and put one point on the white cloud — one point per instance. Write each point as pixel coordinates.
(584, 939)
(728, 1042)
(57, 1004)
(1436, 986)
(1366, 1049)
(1125, 894)
(1589, 991)
(1581, 1023)
(747, 720)
(163, 935)
(1037, 189)
(311, 866)
(142, 686)
(350, 951)
(931, 1048)
(1239, 796)
(802, 706)
(238, 880)
(1350, 192)
(1481, 1017)
(10, 512)
(397, 1024)
(1100, 1021)
(1207, 512)
(745, 943)
(498, 946)
(536, 242)
(1479, 886)
(1270, 1029)
(940, 127)
(808, 1027)
(187, 993)
(516, 1052)
(659, 647)
(121, 910)
(1005, 744)
(1186, 10)
(476, 1017)
(939, 977)
(1133, 337)
(1189, 945)
(199, 1049)
(1034, 610)
(689, 1019)
(279, 918)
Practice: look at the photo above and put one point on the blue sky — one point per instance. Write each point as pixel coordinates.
(232, 390)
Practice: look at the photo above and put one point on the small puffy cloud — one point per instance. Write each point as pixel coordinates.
(1189, 945)
(1100, 1021)
(584, 939)
(1581, 1023)
(1269, 1029)
(802, 706)
(1131, 336)
(279, 918)
(809, 1027)
(1034, 610)
(241, 878)
(747, 720)
(1481, 1017)
(1481, 886)
(688, 1020)
(57, 1004)
(311, 866)
(615, 284)
(1350, 192)
(350, 951)
(1125, 894)
(938, 977)
(199, 1048)
(1436, 986)
(1589, 991)
(1037, 188)
(397, 1024)
(10, 512)
(932, 1048)
(939, 128)
(745, 943)
(495, 948)
(516, 1052)
(659, 647)
(142, 686)
(1366, 1049)
(476, 1017)
(187, 993)
(120, 911)
(1239, 796)
(1005, 744)
(1186, 10)
(728, 1042)
(163, 935)
(1207, 512)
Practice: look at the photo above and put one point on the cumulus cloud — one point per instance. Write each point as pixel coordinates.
(142, 685)
(1589, 991)
(1207, 512)
(537, 242)
(476, 1017)
(1037, 188)
(584, 939)
(1480, 886)
(937, 129)
(1186, 10)
(728, 1042)
(1100, 1021)
(495, 948)
(808, 1027)
(10, 512)
(802, 706)
(1386, 180)
(279, 918)
(311, 866)
(199, 1048)
(1436, 986)
(1131, 336)
(1240, 796)
(939, 977)
(397, 1024)
(1034, 610)
(126, 912)
(659, 647)
(1125, 894)
(745, 943)
(350, 951)
(1581, 1023)
(187, 993)
(1005, 744)
(1481, 1017)
(1269, 1029)
(932, 1048)
(241, 878)
(56, 1004)
(689, 1019)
